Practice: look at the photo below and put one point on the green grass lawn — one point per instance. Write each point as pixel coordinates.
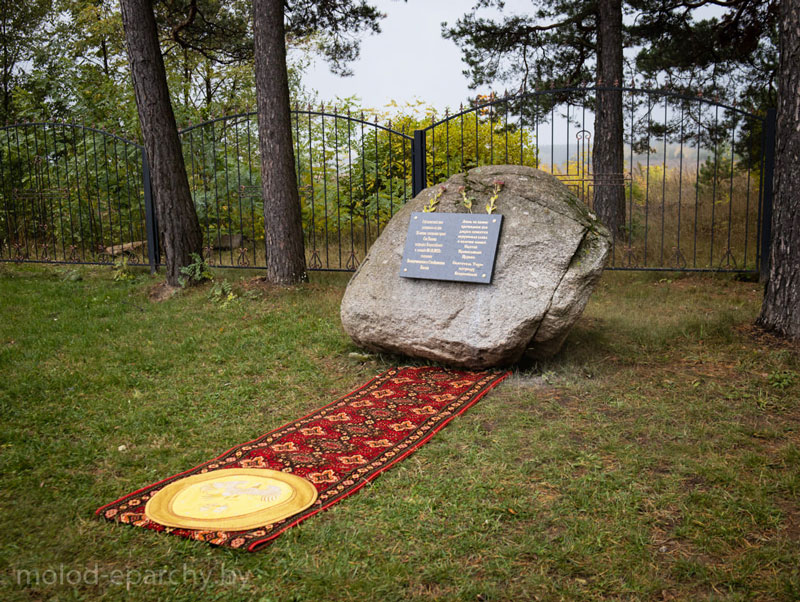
(656, 458)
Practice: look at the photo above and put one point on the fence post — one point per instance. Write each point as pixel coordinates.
(153, 252)
(419, 165)
(766, 203)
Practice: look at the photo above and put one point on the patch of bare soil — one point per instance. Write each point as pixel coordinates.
(764, 338)
(161, 292)
(791, 519)
(718, 370)
(261, 284)
(527, 381)
(257, 283)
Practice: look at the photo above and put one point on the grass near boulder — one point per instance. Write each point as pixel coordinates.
(656, 458)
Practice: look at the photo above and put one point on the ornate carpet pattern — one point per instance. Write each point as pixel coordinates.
(339, 448)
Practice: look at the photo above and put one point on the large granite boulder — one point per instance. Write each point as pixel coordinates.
(551, 253)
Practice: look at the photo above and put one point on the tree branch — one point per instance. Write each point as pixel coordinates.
(184, 24)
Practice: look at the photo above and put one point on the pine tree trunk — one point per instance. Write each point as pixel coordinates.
(283, 228)
(608, 151)
(179, 227)
(780, 311)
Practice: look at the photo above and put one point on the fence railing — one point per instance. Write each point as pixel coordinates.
(697, 180)
(694, 173)
(70, 193)
(352, 175)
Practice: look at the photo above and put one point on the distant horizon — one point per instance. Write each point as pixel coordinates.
(560, 156)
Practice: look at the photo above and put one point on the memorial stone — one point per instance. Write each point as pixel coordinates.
(550, 253)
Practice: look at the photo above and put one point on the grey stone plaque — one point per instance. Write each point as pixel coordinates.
(451, 246)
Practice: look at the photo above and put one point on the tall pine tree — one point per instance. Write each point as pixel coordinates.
(780, 311)
(336, 21)
(563, 43)
(177, 219)
(283, 229)
(730, 55)
(566, 43)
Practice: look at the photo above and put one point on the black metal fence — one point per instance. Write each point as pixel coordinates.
(352, 174)
(697, 174)
(71, 193)
(697, 180)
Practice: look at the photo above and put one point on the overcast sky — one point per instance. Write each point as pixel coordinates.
(408, 60)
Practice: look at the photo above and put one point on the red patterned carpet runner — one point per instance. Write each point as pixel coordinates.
(339, 448)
